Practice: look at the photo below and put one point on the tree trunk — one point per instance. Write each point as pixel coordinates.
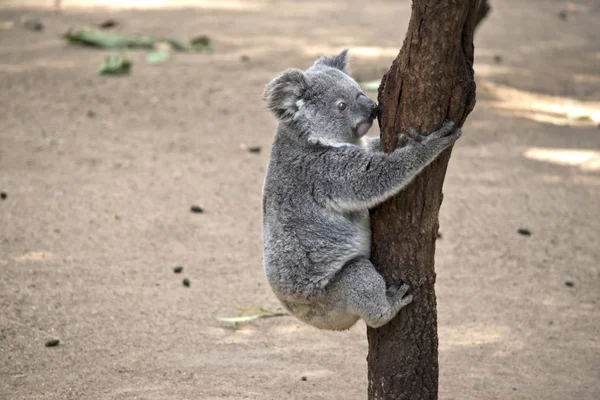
(430, 80)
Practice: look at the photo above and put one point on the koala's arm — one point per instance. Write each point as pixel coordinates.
(354, 179)
(373, 144)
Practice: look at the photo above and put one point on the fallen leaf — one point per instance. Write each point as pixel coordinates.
(201, 44)
(115, 64)
(157, 57)
(178, 44)
(107, 40)
(579, 115)
(248, 318)
(6, 25)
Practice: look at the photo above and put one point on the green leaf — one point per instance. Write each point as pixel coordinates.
(248, 318)
(179, 44)
(108, 40)
(242, 318)
(157, 57)
(579, 115)
(115, 64)
(370, 85)
(201, 44)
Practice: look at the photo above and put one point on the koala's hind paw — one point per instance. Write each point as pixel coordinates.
(406, 300)
(398, 297)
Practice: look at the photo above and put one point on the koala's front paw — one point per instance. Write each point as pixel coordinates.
(403, 140)
(446, 129)
(409, 137)
(443, 137)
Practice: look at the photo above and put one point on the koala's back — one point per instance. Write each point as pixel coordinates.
(306, 242)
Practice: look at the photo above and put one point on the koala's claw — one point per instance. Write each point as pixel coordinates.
(398, 289)
(403, 140)
(447, 128)
(406, 300)
(411, 135)
(414, 134)
(457, 133)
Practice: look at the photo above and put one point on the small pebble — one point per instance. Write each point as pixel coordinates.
(33, 24)
(3, 195)
(304, 378)
(569, 283)
(109, 23)
(497, 59)
(52, 342)
(91, 114)
(178, 269)
(524, 232)
(186, 282)
(254, 149)
(562, 15)
(196, 209)
(244, 58)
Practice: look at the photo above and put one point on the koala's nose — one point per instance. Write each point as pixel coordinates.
(374, 112)
(369, 104)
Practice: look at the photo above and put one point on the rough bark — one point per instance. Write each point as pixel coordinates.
(431, 80)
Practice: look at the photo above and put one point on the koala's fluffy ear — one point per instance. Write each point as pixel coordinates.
(339, 61)
(282, 93)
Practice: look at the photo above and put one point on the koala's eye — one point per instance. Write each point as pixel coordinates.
(342, 106)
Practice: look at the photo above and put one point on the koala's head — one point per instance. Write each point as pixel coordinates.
(323, 103)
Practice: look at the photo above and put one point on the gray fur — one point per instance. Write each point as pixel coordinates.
(322, 179)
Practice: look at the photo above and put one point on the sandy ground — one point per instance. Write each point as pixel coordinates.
(100, 174)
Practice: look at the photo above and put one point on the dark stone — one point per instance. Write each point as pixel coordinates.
(52, 342)
(196, 209)
(109, 23)
(178, 269)
(524, 232)
(33, 24)
(186, 282)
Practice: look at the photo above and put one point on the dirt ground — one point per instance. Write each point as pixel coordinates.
(100, 173)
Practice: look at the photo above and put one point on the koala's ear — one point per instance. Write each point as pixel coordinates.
(339, 61)
(282, 93)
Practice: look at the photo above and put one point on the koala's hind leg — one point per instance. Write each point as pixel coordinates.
(363, 290)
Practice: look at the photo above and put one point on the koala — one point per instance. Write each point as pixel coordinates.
(322, 178)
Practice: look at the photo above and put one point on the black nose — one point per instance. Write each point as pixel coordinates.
(374, 112)
(370, 106)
